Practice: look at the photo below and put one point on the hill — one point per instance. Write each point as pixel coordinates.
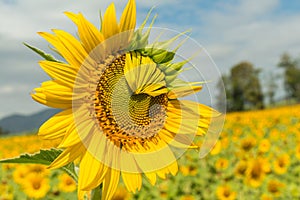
(26, 123)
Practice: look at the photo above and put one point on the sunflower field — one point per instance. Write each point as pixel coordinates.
(257, 157)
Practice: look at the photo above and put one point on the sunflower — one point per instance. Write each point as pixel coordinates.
(298, 151)
(66, 183)
(275, 187)
(36, 186)
(264, 145)
(38, 169)
(265, 197)
(248, 143)
(240, 169)
(189, 170)
(120, 103)
(121, 194)
(281, 163)
(225, 193)
(187, 197)
(221, 164)
(256, 172)
(20, 173)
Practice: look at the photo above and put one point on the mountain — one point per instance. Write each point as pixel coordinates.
(26, 123)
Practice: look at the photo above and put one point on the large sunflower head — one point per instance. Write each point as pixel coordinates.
(122, 113)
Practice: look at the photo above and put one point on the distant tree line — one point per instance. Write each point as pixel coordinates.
(244, 90)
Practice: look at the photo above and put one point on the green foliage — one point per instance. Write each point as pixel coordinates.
(291, 76)
(41, 53)
(45, 157)
(243, 88)
(271, 88)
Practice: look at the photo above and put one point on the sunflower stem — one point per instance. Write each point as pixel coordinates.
(97, 193)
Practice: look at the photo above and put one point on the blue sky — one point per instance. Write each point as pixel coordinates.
(231, 31)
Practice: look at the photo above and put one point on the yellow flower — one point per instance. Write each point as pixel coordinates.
(255, 172)
(225, 142)
(225, 193)
(248, 143)
(121, 194)
(189, 170)
(266, 197)
(275, 187)
(36, 186)
(264, 145)
(298, 151)
(66, 183)
(217, 148)
(187, 197)
(39, 169)
(221, 163)
(120, 102)
(240, 169)
(20, 173)
(274, 134)
(281, 164)
(6, 191)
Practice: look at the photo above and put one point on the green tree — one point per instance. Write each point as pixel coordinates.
(246, 88)
(271, 88)
(243, 88)
(291, 76)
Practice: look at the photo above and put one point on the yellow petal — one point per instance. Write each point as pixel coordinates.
(73, 47)
(42, 99)
(90, 36)
(132, 181)
(72, 136)
(63, 73)
(188, 126)
(128, 18)
(70, 48)
(183, 91)
(53, 94)
(110, 183)
(192, 109)
(92, 172)
(81, 194)
(68, 155)
(188, 117)
(72, 16)
(56, 126)
(177, 140)
(143, 76)
(162, 173)
(98, 145)
(173, 168)
(128, 163)
(158, 151)
(110, 26)
(151, 177)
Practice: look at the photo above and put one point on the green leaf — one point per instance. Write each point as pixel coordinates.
(97, 193)
(41, 53)
(44, 157)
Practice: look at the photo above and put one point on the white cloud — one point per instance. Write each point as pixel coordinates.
(250, 31)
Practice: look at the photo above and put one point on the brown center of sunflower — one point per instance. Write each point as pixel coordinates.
(36, 185)
(256, 171)
(273, 187)
(226, 192)
(123, 116)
